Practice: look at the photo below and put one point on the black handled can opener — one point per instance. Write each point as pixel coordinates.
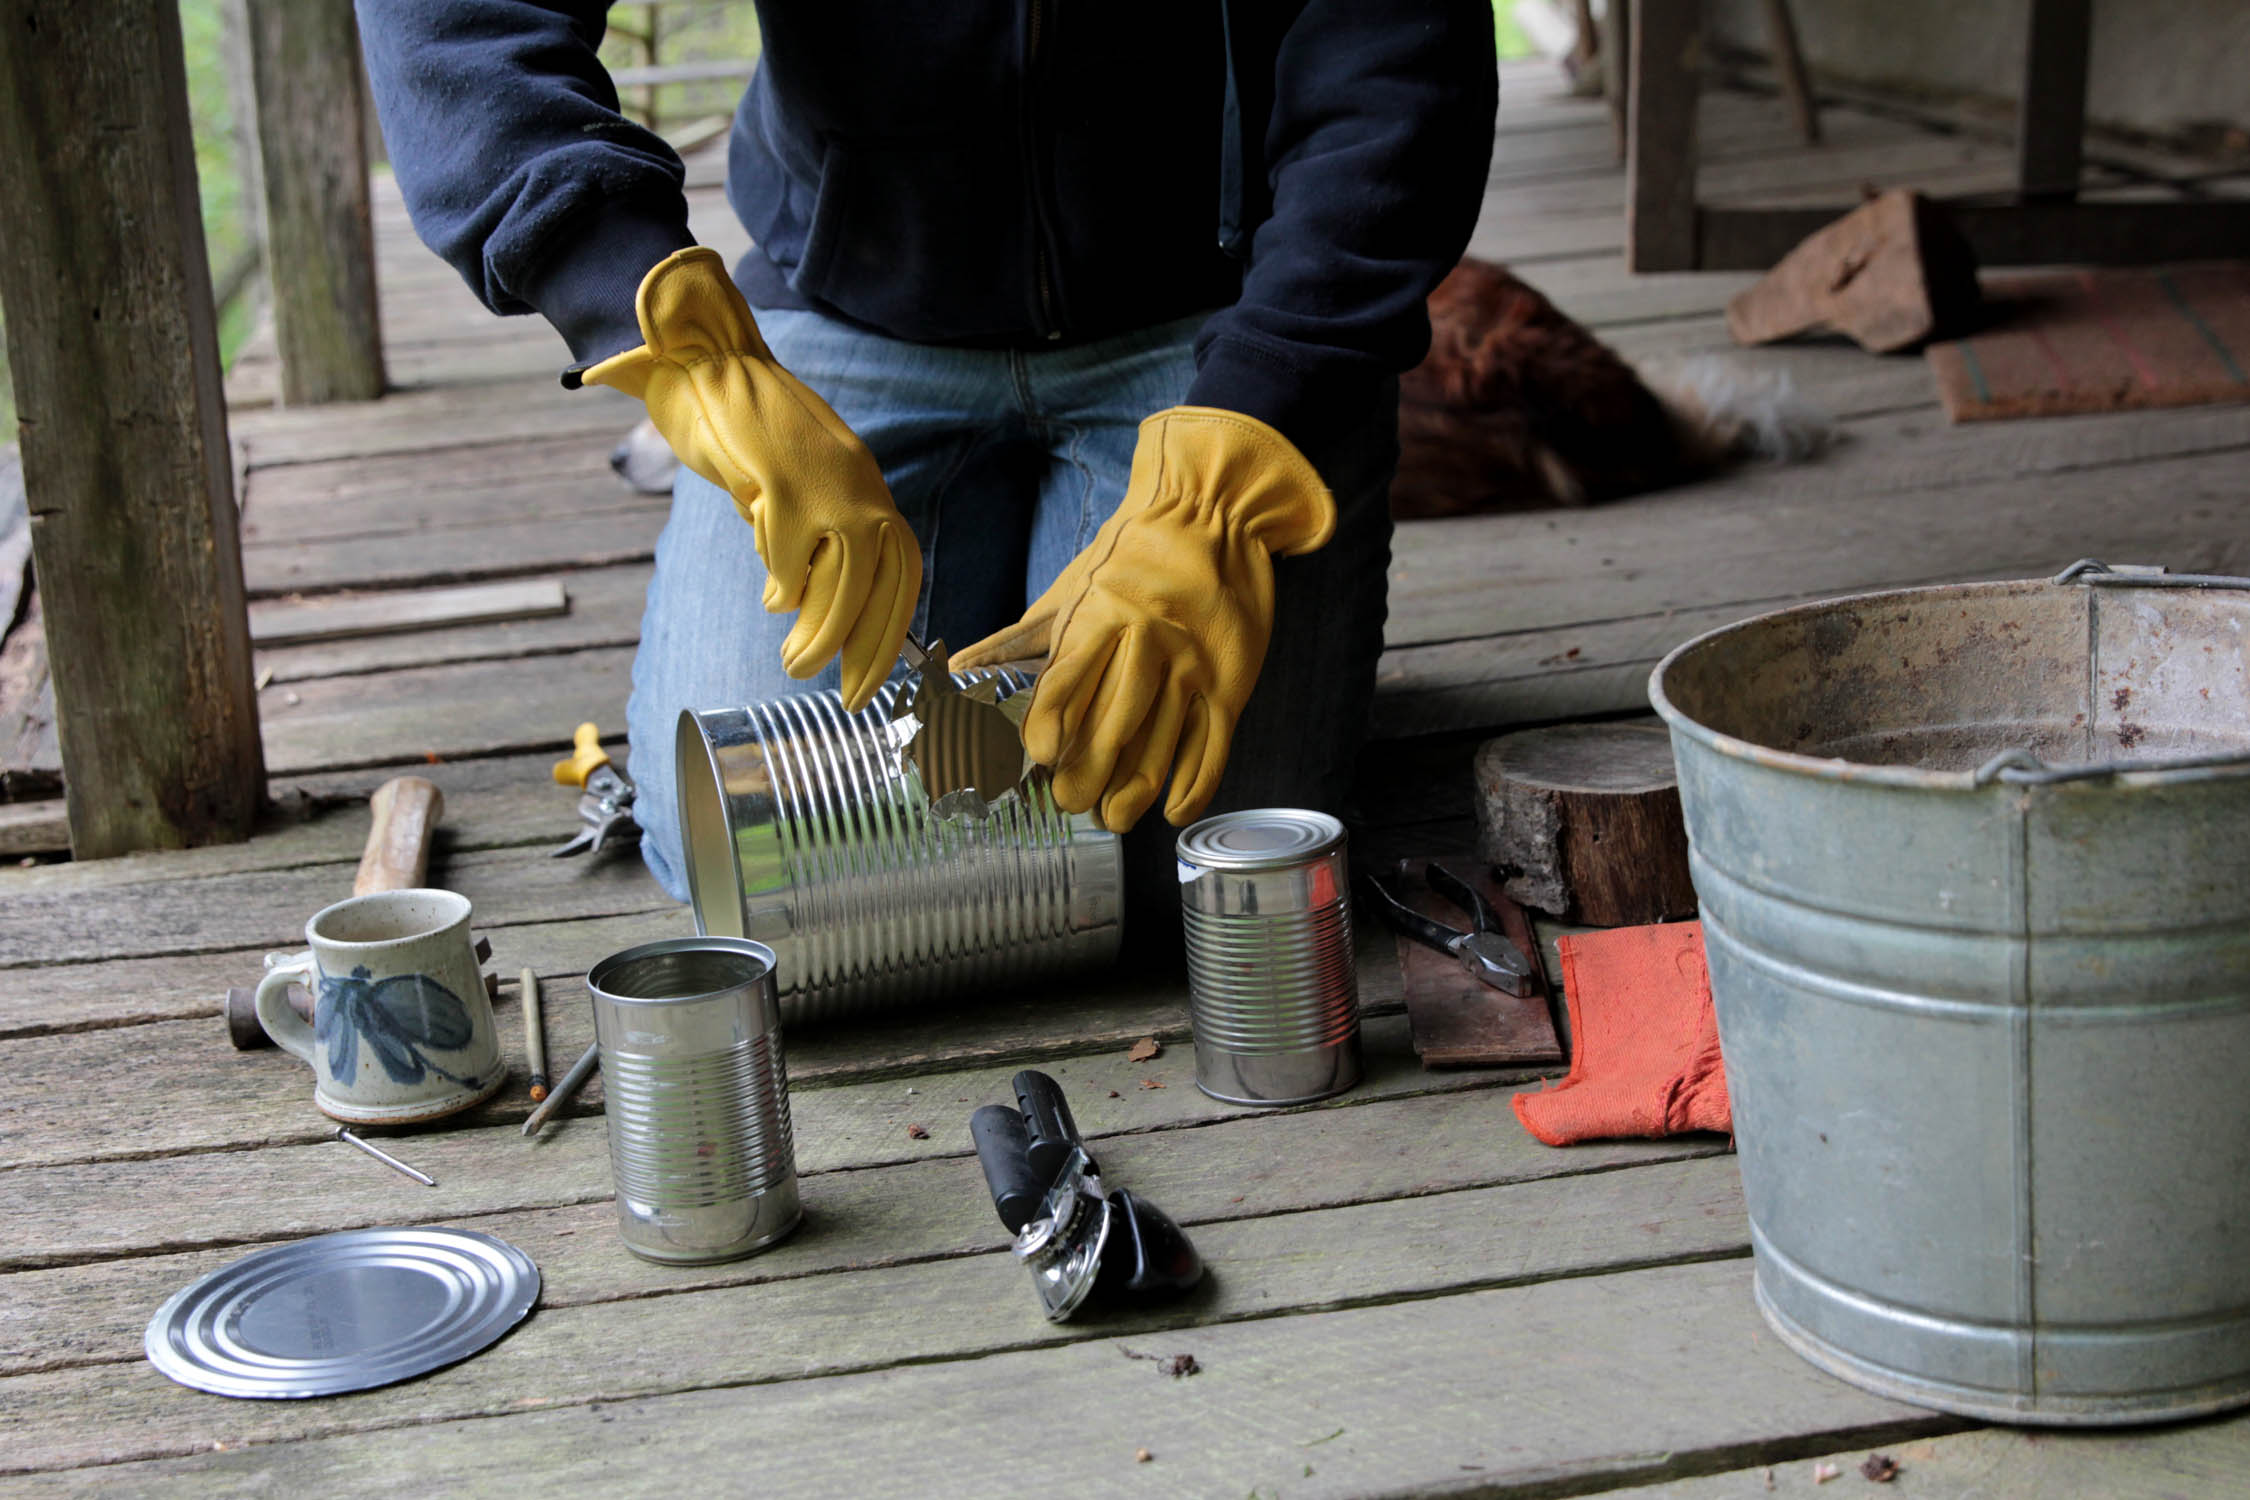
(1080, 1241)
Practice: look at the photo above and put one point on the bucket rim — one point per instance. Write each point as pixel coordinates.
(1835, 768)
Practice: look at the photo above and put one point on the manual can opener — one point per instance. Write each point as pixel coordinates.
(1484, 950)
(606, 808)
(1079, 1240)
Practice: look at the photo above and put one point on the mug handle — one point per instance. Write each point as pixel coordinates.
(288, 1030)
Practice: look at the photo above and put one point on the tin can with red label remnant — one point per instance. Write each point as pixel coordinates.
(697, 1095)
(1272, 996)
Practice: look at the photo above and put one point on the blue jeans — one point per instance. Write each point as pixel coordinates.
(1005, 463)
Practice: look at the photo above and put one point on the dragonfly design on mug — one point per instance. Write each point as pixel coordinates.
(397, 1016)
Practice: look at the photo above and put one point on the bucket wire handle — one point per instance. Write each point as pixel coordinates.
(2020, 767)
(2093, 571)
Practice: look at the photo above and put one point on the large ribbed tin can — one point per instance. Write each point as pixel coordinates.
(1974, 865)
(803, 831)
(697, 1097)
(1273, 999)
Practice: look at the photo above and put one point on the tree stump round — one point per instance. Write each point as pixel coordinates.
(1582, 821)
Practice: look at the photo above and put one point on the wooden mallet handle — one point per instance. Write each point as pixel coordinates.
(407, 810)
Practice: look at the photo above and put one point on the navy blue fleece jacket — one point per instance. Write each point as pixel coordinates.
(992, 172)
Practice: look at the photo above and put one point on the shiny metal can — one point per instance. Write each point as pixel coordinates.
(1273, 999)
(803, 831)
(697, 1096)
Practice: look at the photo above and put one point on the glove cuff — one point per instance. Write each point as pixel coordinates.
(1252, 477)
(689, 310)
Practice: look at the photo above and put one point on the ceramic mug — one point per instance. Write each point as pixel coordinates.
(402, 1030)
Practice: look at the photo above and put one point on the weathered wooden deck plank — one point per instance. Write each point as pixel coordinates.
(204, 914)
(225, 1100)
(466, 554)
(604, 610)
(1493, 1393)
(1781, 532)
(450, 711)
(934, 1208)
(2162, 1463)
(412, 490)
(945, 1309)
(99, 1211)
(419, 421)
(1952, 502)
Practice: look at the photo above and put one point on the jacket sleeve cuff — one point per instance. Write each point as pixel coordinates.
(587, 288)
(1239, 375)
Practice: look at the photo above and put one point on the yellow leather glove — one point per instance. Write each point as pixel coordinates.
(835, 547)
(1157, 630)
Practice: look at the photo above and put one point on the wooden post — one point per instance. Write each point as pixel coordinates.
(115, 350)
(2051, 117)
(1789, 68)
(319, 225)
(1665, 77)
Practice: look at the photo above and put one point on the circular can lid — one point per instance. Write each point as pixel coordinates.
(1264, 838)
(342, 1312)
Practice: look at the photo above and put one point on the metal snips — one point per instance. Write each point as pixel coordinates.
(1484, 950)
(606, 804)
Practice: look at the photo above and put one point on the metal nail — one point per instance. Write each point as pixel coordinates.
(385, 1157)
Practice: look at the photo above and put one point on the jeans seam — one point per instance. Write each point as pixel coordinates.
(1079, 539)
(1019, 376)
(938, 493)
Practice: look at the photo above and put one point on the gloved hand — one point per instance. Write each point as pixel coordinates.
(1157, 630)
(835, 547)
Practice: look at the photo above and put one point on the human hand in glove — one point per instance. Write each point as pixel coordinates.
(1156, 631)
(835, 547)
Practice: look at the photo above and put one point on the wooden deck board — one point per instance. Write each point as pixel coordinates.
(949, 1308)
(1490, 1392)
(1409, 1296)
(906, 1212)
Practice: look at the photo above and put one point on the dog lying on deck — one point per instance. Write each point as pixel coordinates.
(1517, 407)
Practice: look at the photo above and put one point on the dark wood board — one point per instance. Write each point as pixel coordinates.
(1458, 1020)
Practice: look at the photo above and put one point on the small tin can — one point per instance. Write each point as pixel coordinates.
(1272, 996)
(697, 1097)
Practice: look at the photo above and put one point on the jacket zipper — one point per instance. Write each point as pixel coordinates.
(1050, 326)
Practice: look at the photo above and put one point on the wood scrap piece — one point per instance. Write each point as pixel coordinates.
(1457, 1020)
(281, 622)
(1583, 822)
(1891, 274)
(30, 752)
(33, 828)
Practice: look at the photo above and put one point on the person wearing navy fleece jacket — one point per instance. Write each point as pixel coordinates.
(1095, 306)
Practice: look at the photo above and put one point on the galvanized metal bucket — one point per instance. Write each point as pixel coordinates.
(1974, 865)
(1273, 998)
(697, 1096)
(803, 832)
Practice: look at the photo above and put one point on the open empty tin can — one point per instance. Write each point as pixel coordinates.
(697, 1096)
(1273, 999)
(803, 831)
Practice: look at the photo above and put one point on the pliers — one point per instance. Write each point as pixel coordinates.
(606, 808)
(1485, 950)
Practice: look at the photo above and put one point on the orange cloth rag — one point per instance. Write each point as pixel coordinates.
(1644, 1045)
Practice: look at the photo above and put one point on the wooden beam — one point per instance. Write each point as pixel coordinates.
(2005, 234)
(318, 224)
(1666, 75)
(115, 349)
(1789, 67)
(2051, 116)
